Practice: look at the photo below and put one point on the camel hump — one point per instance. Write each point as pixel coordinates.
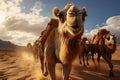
(52, 23)
(103, 31)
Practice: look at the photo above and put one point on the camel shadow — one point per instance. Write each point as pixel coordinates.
(91, 73)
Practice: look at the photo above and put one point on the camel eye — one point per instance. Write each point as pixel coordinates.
(108, 38)
(71, 14)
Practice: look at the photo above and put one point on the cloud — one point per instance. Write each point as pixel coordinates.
(20, 27)
(112, 24)
(37, 8)
(21, 38)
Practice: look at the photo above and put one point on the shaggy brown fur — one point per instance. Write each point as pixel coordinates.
(95, 43)
(105, 47)
(62, 43)
(85, 51)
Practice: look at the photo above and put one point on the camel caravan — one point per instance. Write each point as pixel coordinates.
(62, 41)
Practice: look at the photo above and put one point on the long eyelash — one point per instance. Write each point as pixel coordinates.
(71, 13)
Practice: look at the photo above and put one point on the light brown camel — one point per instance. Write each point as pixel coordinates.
(85, 51)
(36, 49)
(106, 46)
(62, 45)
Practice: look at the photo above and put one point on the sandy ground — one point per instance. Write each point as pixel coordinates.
(21, 65)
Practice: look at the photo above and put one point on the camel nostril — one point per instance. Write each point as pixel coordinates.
(110, 44)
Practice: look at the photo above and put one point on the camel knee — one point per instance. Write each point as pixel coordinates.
(111, 66)
(93, 58)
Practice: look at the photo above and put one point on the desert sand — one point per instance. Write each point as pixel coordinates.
(21, 65)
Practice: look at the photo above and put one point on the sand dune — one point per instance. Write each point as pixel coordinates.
(21, 65)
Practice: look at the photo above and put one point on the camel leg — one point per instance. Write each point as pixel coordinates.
(107, 58)
(43, 63)
(98, 58)
(87, 57)
(80, 59)
(51, 68)
(66, 71)
(111, 68)
(83, 59)
(92, 54)
(43, 66)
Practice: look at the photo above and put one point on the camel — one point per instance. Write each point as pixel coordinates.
(29, 46)
(106, 46)
(36, 49)
(62, 44)
(38, 45)
(95, 43)
(85, 51)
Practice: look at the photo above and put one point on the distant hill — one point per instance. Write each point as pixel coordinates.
(7, 45)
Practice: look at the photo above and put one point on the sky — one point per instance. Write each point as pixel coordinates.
(21, 21)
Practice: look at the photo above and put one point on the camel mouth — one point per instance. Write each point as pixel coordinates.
(75, 29)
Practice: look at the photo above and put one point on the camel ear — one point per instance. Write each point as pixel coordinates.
(84, 11)
(55, 11)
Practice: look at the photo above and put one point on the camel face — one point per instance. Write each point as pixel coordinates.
(71, 19)
(74, 21)
(109, 41)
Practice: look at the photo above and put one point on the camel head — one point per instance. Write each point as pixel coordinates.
(110, 42)
(71, 19)
(29, 45)
(85, 40)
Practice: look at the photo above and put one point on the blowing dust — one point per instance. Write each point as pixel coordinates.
(20, 66)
